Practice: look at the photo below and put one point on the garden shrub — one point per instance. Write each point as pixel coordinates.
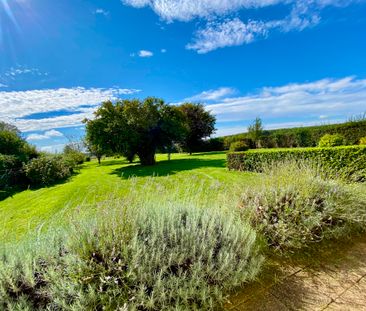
(239, 146)
(363, 141)
(150, 258)
(329, 140)
(294, 207)
(47, 170)
(348, 162)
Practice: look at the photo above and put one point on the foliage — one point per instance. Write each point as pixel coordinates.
(149, 257)
(47, 170)
(293, 206)
(73, 155)
(347, 162)
(363, 140)
(199, 124)
(329, 140)
(14, 151)
(135, 127)
(255, 131)
(238, 146)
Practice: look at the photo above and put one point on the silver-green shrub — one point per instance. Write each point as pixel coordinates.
(295, 206)
(146, 257)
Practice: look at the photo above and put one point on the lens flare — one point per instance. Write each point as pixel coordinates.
(4, 5)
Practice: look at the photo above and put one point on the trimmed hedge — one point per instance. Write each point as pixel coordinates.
(345, 161)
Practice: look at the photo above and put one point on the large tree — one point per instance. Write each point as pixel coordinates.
(199, 124)
(130, 127)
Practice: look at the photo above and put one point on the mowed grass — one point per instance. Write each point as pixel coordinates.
(205, 174)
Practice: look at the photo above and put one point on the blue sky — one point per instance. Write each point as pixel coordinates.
(290, 62)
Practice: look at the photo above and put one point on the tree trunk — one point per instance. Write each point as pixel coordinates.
(147, 158)
(99, 158)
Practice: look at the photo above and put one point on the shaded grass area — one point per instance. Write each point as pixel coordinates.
(95, 183)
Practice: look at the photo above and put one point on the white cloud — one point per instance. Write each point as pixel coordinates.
(332, 97)
(145, 53)
(212, 95)
(3, 85)
(228, 33)
(186, 10)
(14, 106)
(46, 135)
(163, 50)
(101, 12)
(222, 31)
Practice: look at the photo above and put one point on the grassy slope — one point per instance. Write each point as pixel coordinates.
(94, 183)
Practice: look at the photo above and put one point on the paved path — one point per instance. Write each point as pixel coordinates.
(325, 279)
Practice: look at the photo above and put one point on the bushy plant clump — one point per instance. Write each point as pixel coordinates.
(329, 140)
(14, 151)
(170, 257)
(294, 206)
(363, 141)
(47, 170)
(348, 162)
(239, 146)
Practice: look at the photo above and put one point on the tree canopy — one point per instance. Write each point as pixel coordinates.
(134, 127)
(199, 124)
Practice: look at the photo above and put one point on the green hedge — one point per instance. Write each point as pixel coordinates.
(348, 161)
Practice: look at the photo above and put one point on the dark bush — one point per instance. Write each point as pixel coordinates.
(47, 170)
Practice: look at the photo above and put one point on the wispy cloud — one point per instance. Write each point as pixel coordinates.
(229, 33)
(14, 106)
(46, 135)
(145, 53)
(20, 73)
(212, 95)
(331, 97)
(100, 11)
(14, 72)
(222, 30)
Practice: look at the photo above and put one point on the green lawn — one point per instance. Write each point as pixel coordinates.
(115, 177)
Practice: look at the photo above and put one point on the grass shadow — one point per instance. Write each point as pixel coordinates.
(165, 168)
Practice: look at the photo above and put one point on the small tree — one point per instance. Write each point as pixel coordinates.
(255, 131)
(199, 124)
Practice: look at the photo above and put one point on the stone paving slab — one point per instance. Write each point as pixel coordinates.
(328, 279)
